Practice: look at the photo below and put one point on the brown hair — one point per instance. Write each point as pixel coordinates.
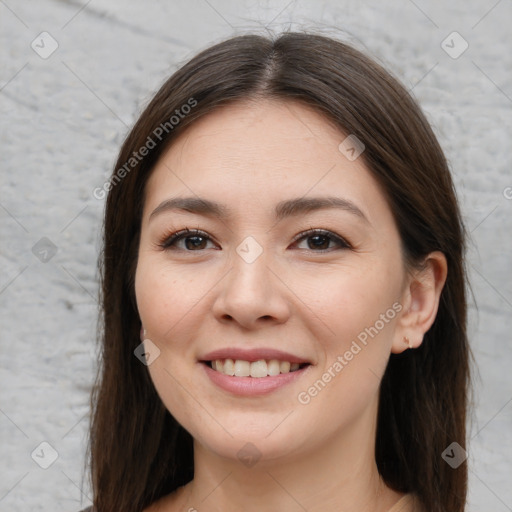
(138, 451)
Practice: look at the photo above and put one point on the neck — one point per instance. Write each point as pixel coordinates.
(338, 473)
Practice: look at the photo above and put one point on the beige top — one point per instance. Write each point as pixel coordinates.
(405, 504)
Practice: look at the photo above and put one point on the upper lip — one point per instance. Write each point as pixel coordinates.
(251, 355)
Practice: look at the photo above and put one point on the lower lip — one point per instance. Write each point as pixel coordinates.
(252, 386)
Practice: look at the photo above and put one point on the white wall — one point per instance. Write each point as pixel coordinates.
(63, 119)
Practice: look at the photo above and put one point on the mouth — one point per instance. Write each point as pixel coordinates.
(256, 369)
(253, 371)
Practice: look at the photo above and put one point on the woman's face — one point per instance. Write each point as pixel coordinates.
(249, 294)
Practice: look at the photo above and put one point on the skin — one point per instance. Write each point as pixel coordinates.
(317, 456)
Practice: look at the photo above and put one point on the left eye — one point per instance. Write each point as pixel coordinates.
(194, 240)
(321, 239)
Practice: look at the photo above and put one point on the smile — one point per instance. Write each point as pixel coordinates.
(253, 371)
(256, 369)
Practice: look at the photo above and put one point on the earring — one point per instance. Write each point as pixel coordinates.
(407, 341)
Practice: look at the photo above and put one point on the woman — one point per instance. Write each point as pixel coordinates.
(283, 294)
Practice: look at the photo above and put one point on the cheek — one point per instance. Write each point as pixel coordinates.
(164, 295)
(167, 312)
(348, 301)
(360, 309)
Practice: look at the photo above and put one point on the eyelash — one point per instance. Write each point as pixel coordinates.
(170, 239)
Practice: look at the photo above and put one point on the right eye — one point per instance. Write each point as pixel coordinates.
(194, 240)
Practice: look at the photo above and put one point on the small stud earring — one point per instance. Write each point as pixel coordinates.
(407, 341)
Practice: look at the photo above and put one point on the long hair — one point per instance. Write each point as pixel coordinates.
(138, 452)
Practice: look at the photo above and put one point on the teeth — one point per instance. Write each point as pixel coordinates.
(273, 367)
(242, 368)
(284, 366)
(256, 369)
(259, 369)
(229, 367)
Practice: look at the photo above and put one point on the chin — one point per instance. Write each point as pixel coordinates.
(252, 442)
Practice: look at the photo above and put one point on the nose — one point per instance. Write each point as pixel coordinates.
(252, 295)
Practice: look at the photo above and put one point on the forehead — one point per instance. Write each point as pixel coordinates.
(260, 126)
(255, 153)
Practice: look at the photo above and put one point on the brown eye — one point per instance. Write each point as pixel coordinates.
(318, 240)
(194, 240)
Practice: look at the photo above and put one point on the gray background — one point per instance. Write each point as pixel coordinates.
(63, 119)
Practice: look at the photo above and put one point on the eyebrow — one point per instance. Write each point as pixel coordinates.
(283, 209)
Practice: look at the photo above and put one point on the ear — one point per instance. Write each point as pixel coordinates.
(420, 302)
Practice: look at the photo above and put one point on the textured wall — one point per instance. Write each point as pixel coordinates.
(63, 117)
